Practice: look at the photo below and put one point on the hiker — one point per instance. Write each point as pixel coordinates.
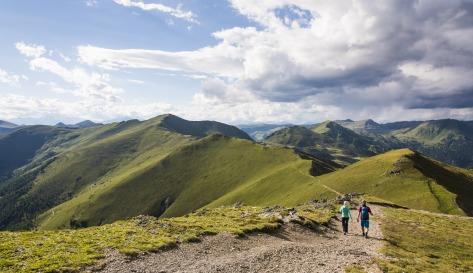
(364, 212)
(346, 215)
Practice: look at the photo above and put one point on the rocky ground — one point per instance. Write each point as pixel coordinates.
(291, 249)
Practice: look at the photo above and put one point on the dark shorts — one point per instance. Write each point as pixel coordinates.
(365, 223)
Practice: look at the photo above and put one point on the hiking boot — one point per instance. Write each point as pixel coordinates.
(363, 234)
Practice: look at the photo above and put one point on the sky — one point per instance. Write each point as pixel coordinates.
(277, 61)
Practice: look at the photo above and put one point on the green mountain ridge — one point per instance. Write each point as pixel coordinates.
(447, 140)
(167, 166)
(65, 161)
(328, 140)
(409, 179)
(215, 170)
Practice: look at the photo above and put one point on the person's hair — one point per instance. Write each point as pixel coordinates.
(346, 203)
(363, 202)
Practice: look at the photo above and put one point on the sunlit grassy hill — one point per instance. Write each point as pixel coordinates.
(57, 164)
(407, 178)
(214, 171)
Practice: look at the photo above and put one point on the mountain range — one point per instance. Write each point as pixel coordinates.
(346, 141)
(70, 177)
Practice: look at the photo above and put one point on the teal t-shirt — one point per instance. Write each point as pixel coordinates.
(345, 212)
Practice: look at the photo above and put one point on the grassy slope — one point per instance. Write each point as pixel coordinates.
(95, 156)
(426, 242)
(216, 170)
(434, 189)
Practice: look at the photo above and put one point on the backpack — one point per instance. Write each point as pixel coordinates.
(365, 213)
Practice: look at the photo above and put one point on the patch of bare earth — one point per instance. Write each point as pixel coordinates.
(293, 248)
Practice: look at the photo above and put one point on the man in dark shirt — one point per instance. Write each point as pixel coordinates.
(364, 215)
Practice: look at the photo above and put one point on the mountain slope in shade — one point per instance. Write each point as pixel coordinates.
(6, 127)
(200, 128)
(6, 124)
(20, 147)
(66, 163)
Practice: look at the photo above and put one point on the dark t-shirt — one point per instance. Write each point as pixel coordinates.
(366, 214)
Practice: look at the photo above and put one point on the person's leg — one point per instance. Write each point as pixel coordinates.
(362, 228)
(345, 224)
(367, 228)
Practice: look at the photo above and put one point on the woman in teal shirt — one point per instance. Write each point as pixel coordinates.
(346, 215)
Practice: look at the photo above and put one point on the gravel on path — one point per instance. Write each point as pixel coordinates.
(291, 249)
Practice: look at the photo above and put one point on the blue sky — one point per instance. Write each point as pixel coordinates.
(233, 61)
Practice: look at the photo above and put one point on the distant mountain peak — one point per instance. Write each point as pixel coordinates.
(86, 124)
(6, 124)
(79, 125)
(61, 125)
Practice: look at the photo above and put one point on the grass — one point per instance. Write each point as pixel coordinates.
(212, 172)
(426, 242)
(404, 178)
(79, 159)
(71, 250)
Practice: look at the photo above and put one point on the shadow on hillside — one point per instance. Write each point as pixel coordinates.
(455, 182)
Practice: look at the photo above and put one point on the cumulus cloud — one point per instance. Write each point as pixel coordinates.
(175, 12)
(349, 55)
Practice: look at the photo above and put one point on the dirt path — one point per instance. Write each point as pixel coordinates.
(292, 249)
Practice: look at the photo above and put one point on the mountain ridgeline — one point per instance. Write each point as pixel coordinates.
(6, 127)
(449, 141)
(76, 177)
(79, 176)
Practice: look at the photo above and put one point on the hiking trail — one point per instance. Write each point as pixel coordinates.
(293, 248)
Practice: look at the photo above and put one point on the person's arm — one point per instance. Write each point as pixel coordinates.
(349, 214)
(369, 210)
(358, 217)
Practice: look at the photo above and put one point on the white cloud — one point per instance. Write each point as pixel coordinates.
(87, 84)
(93, 97)
(11, 79)
(52, 86)
(136, 81)
(16, 107)
(175, 12)
(30, 50)
(221, 60)
(91, 3)
(345, 55)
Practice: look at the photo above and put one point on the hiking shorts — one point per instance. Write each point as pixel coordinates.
(365, 223)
